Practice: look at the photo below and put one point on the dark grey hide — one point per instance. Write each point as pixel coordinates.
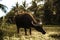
(25, 21)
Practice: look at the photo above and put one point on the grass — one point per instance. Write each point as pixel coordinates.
(9, 33)
(55, 36)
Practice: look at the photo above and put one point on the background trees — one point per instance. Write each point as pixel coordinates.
(57, 8)
(49, 12)
(3, 8)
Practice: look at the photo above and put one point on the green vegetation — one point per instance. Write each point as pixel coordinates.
(48, 12)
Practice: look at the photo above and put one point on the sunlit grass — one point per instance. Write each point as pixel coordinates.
(9, 33)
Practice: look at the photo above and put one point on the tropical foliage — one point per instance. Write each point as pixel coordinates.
(49, 12)
(3, 7)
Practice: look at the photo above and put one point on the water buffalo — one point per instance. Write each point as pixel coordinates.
(25, 21)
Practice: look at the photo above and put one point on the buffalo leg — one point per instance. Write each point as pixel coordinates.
(30, 31)
(25, 31)
(17, 30)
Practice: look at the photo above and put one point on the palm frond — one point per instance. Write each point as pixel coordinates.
(3, 7)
